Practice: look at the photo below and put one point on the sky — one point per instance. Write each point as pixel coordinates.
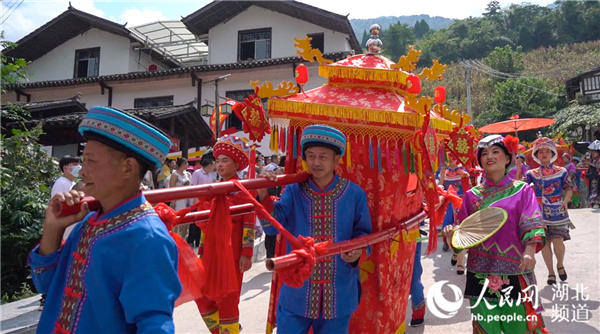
(21, 17)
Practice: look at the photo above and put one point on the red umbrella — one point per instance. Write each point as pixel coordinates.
(515, 124)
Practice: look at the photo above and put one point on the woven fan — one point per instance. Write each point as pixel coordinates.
(478, 227)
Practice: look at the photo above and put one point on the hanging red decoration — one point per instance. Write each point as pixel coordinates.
(252, 115)
(414, 84)
(301, 75)
(439, 94)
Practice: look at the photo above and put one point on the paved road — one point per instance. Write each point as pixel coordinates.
(582, 264)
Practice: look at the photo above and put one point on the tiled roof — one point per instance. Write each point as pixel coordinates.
(216, 12)
(174, 71)
(68, 113)
(65, 26)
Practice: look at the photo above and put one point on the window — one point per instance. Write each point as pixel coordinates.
(254, 44)
(591, 84)
(317, 41)
(87, 63)
(158, 101)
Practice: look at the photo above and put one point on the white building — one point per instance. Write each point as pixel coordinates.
(162, 72)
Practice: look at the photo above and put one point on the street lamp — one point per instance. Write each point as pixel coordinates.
(217, 114)
(225, 109)
(206, 110)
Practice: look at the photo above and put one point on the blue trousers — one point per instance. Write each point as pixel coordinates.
(290, 323)
(416, 287)
(449, 216)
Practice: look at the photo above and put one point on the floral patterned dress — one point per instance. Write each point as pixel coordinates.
(549, 183)
(493, 266)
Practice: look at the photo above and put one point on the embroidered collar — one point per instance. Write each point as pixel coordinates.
(128, 204)
(328, 188)
(504, 181)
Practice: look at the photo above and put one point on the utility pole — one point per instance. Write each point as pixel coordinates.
(468, 84)
(217, 108)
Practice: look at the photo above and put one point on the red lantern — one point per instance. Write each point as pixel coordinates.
(439, 94)
(301, 75)
(413, 84)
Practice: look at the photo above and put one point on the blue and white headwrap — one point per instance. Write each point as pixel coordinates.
(323, 135)
(126, 133)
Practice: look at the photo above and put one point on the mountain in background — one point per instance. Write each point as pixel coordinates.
(435, 22)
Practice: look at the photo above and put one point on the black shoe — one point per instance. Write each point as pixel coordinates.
(446, 247)
(563, 276)
(460, 270)
(453, 260)
(416, 322)
(551, 279)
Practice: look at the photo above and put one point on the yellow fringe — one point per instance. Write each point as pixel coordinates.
(387, 87)
(348, 159)
(346, 112)
(358, 73)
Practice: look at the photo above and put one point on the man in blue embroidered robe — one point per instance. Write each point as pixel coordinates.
(117, 271)
(325, 207)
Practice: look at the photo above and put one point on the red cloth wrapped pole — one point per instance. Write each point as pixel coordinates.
(292, 259)
(211, 189)
(202, 216)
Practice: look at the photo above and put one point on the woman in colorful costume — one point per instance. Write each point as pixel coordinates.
(506, 259)
(549, 182)
(593, 174)
(570, 165)
(519, 169)
(454, 175)
(117, 271)
(221, 314)
(325, 207)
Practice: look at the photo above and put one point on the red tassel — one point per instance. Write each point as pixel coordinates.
(282, 138)
(252, 163)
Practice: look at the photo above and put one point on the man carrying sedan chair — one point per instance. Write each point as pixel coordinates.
(117, 271)
(325, 207)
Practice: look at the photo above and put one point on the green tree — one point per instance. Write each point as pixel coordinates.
(421, 28)
(505, 59)
(396, 40)
(525, 97)
(26, 174)
(492, 9)
(591, 20)
(570, 19)
(12, 71)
